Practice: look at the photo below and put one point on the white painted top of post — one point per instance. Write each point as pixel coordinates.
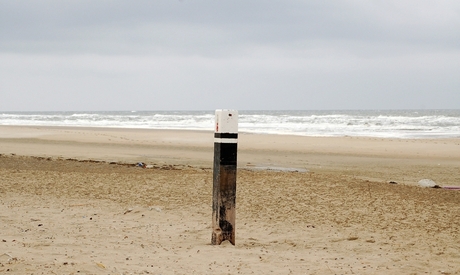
(226, 121)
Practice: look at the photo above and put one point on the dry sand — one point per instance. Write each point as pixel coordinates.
(72, 202)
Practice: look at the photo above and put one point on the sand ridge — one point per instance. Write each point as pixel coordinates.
(399, 160)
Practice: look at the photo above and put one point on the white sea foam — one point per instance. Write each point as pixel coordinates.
(387, 124)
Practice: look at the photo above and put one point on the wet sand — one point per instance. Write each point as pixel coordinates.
(73, 202)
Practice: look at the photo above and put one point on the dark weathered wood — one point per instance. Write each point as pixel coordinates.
(224, 193)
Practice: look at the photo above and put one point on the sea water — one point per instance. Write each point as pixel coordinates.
(367, 123)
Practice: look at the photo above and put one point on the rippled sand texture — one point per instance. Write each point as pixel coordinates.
(64, 213)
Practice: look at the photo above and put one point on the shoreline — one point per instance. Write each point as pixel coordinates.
(201, 130)
(400, 160)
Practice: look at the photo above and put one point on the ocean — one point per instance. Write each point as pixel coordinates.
(324, 123)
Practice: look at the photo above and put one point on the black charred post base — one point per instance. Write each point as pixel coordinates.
(224, 184)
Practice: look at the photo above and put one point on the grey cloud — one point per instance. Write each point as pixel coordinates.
(196, 54)
(202, 26)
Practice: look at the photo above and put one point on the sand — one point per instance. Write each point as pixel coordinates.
(73, 202)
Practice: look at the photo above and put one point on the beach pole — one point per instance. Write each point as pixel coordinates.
(224, 177)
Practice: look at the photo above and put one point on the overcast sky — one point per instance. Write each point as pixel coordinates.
(77, 55)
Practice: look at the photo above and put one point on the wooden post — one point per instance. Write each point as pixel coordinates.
(224, 177)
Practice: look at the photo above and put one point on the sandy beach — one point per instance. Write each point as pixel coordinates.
(72, 201)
